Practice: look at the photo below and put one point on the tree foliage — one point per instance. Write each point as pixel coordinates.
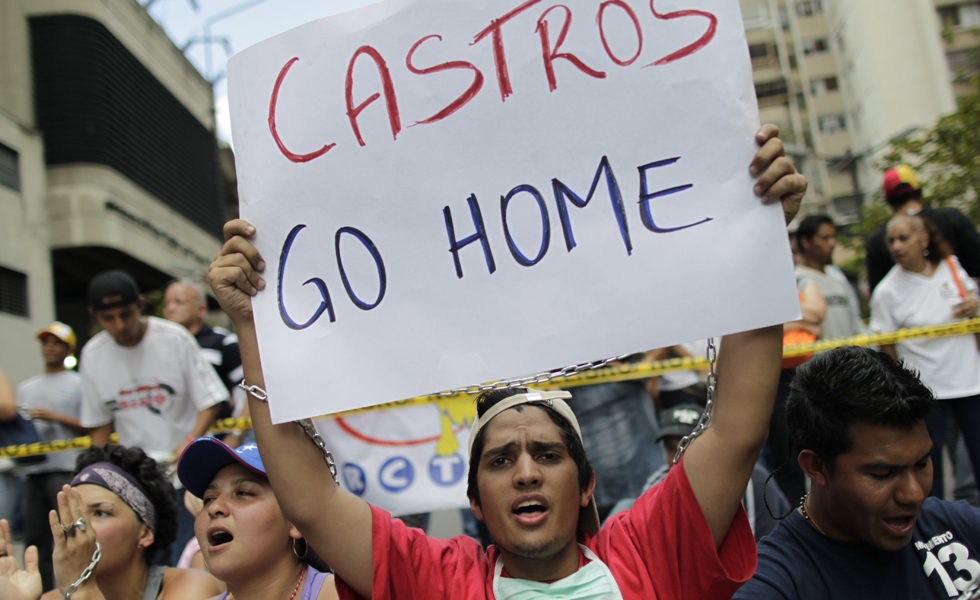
(947, 159)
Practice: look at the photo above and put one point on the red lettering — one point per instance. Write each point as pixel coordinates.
(703, 41)
(550, 54)
(466, 96)
(296, 158)
(636, 24)
(389, 90)
(499, 60)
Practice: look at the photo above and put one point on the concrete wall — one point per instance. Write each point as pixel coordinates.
(24, 248)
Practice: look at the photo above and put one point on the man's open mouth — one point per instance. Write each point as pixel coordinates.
(530, 510)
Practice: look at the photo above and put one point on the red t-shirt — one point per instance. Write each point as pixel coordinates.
(660, 548)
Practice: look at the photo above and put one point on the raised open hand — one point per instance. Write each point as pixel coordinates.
(17, 583)
(74, 541)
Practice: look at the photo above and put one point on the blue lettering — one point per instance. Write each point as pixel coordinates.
(646, 197)
(562, 191)
(481, 235)
(545, 225)
(396, 474)
(325, 303)
(382, 278)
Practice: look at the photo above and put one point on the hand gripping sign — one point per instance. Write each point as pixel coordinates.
(469, 191)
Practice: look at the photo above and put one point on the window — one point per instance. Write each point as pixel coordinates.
(962, 15)
(9, 168)
(820, 87)
(832, 123)
(755, 15)
(771, 88)
(949, 16)
(848, 207)
(815, 45)
(808, 8)
(13, 292)
(970, 15)
(784, 18)
(759, 51)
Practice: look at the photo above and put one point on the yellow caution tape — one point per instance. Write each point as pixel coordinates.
(610, 374)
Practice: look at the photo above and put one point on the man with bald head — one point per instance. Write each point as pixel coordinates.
(184, 302)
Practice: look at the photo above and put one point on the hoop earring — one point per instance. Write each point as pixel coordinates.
(306, 548)
(925, 252)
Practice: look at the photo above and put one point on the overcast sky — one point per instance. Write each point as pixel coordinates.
(258, 20)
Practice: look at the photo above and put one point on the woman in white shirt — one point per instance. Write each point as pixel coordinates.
(927, 286)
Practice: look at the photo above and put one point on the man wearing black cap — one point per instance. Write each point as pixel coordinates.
(903, 193)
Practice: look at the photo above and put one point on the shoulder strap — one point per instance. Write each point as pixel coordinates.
(154, 581)
(956, 276)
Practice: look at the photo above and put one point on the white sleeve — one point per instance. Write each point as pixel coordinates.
(94, 413)
(204, 386)
(882, 317)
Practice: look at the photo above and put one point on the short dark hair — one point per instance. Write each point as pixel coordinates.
(809, 226)
(571, 439)
(151, 475)
(897, 201)
(849, 384)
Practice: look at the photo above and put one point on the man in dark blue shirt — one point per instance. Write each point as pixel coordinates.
(866, 529)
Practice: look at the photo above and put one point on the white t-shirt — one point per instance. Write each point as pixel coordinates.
(151, 392)
(950, 366)
(60, 393)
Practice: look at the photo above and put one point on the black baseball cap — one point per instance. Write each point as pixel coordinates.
(112, 284)
(679, 420)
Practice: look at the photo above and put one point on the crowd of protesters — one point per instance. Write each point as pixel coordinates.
(812, 481)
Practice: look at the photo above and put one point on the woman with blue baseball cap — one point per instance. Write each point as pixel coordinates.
(245, 539)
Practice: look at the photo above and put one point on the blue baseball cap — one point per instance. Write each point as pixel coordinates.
(205, 456)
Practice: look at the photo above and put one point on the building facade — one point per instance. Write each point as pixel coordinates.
(108, 159)
(844, 77)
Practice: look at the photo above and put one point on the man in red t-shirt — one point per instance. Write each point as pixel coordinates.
(531, 481)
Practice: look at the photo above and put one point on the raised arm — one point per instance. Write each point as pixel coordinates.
(8, 401)
(719, 463)
(336, 523)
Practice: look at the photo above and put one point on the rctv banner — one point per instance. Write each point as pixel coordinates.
(404, 460)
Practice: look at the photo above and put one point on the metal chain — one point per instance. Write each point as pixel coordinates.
(709, 404)
(96, 557)
(532, 379)
(314, 435)
(307, 424)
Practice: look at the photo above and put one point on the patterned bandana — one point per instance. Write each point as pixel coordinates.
(121, 484)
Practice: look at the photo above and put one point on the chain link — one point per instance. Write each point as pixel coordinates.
(314, 435)
(533, 379)
(307, 424)
(96, 557)
(705, 419)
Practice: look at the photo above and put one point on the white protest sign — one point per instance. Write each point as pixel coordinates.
(448, 193)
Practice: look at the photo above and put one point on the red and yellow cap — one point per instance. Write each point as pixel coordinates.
(900, 180)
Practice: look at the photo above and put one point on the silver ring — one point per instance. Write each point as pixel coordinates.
(79, 524)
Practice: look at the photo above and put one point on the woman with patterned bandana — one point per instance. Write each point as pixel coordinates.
(118, 514)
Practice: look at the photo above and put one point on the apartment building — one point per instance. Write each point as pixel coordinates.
(844, 77)
(108, 159)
